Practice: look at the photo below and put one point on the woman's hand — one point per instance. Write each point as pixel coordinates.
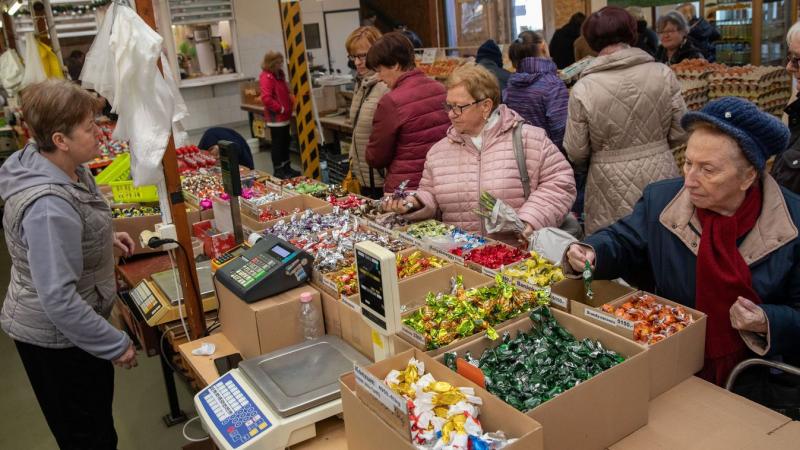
(747, 316)
(128, 359)
(577, 255)
(124, 242)
(525, 235)
(401, 205)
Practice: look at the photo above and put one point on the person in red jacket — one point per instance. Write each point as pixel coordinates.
(278, 106)
(409, 119)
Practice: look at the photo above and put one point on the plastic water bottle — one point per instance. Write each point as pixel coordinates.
(310, 317)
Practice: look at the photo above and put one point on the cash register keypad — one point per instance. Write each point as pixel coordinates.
(254, 270)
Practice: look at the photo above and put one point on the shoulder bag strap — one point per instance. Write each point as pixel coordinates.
(519, 154)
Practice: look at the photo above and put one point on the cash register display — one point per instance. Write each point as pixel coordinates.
(233, 412)
(280, 251)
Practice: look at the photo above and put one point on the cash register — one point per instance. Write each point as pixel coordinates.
(271, 266)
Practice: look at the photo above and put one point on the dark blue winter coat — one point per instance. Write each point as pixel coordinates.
(540, 97)
(655, 249)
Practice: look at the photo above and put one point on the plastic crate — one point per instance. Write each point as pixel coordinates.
(119, 170)
(125, 192)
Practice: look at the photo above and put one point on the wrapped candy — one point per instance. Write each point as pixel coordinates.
(352, 201)
(415, 263)
(587, 279)
(137, 211)
(536, 270)
(442, 416)
(429, 228)
(446, 318)
(539, 364)
(653, 321)
(263, 199)
(346, 281)
(269, 213)
(495, 256)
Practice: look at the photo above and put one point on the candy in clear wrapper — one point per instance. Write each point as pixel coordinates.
(535, 270)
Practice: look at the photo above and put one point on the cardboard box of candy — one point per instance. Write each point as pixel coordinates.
(445, 240)
(674, 333)
(587, 386)
(570, 292)
(449, 411)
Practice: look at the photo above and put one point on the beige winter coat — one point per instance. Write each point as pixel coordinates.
(624, 117)
(365, 99)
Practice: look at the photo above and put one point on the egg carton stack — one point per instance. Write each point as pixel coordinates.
(768, 87)
(693, 76)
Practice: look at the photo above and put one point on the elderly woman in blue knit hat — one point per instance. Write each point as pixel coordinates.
(722, 240)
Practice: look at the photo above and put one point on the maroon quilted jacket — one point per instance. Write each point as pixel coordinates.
(408, 121)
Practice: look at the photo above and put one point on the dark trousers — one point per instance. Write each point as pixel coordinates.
(280, 146)
(75, 391)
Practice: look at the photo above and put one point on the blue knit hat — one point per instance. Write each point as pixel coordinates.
(489, 50)
(760, 135)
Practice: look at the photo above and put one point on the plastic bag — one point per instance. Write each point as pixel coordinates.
(550, 243)
(11, 71)
(503, 218)
(34, 69)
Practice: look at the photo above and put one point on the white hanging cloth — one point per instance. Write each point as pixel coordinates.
(124, 70)
(11, 71)
(34, 69)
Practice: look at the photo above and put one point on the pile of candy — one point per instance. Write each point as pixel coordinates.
(109, 147)
(191, 158)
(536, 270)
(256, 198)
(429, 228)
(539, 364)
(332, 190)
(202, 187)
(462, 313)
(653, 321)
(346, 281)
(442, 416)
(306, 187)
(352, 201)
(495, 256)
(415, 263)
(269, 213)
(137, 211)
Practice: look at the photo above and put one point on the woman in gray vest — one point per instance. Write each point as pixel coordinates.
(58, 231)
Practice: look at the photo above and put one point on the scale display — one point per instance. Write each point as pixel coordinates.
(233, 412)
(377, 280)
(270, 267)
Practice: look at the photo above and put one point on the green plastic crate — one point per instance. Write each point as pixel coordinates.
(119, 170)
(125, 192)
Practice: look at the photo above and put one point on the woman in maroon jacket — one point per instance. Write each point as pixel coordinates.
(278, 106)
(409, 119)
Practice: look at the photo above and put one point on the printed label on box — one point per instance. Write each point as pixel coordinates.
(597, 315)
(529, 287)
(488, 271)
(350, 304)
(447, 255)
(413, 336)
(380, 391)
(627, 324)
(328, 283)
(559, 300)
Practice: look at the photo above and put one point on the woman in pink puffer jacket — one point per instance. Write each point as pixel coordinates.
(478, 155)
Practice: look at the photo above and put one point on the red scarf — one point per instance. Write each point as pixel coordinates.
(722, 277)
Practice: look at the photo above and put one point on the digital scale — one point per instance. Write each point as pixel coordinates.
(380, 297)
(273, 401)
(271, 266)
(157, 298)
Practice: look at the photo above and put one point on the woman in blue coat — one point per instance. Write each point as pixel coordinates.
(723, 240)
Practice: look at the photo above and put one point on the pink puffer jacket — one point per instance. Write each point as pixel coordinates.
(456, 173)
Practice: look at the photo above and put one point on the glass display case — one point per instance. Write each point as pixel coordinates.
(753, 32)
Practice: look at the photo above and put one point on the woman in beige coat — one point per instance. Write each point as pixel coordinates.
(624, 117)
(368, 92)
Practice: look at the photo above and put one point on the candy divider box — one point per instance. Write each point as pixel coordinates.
(598, 412)
(251, 209)
(135, 225)
(414, 292)
(673, 359)
(373, 419)
(289, 204)
(572, 292)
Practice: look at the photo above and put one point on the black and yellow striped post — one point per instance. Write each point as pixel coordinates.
(301, 86)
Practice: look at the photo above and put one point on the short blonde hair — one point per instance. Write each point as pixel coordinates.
(478, 81)
(793, 32)
(272, 62)
(56, 106)
(369, 34)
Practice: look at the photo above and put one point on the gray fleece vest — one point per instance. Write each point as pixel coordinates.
(22, 316)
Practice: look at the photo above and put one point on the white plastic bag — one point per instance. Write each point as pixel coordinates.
(11, 71)
(99, 71)
(34, 69)
(503, 218)
(550, 243)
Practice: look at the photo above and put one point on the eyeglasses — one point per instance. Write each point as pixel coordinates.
(459, 109)
(353, 58)
(793, 61)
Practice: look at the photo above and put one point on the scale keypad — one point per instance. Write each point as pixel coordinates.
(233, 412)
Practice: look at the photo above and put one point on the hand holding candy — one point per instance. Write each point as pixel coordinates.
(577, 255)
